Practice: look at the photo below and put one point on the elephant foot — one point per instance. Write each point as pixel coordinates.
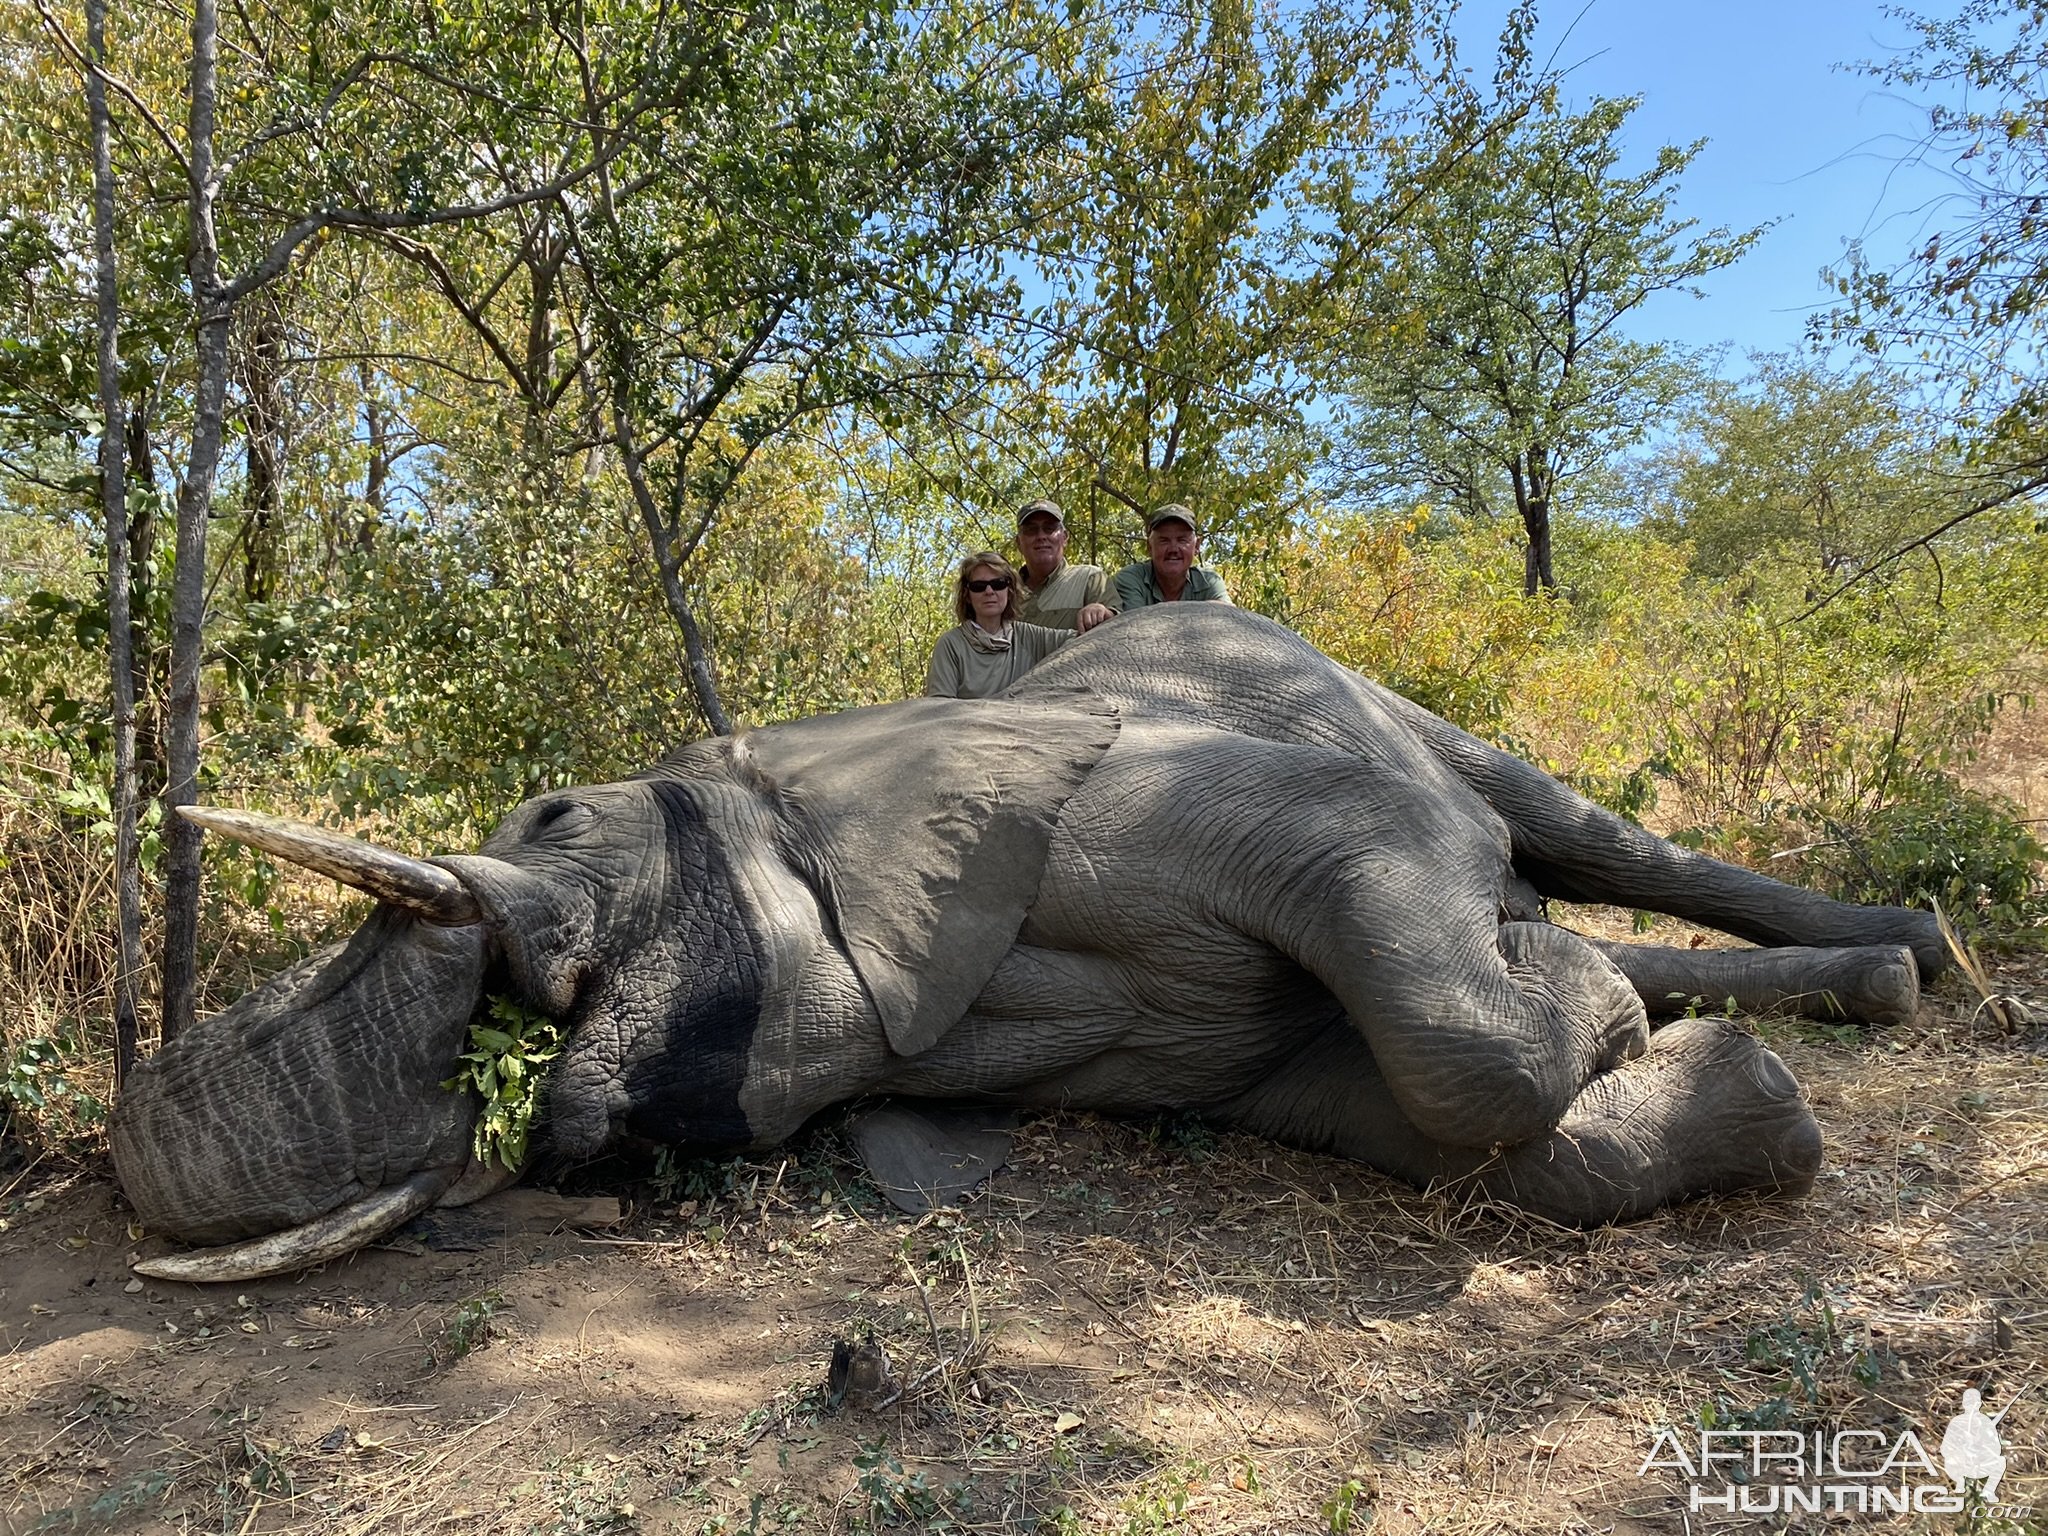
(1875, 984)
(1879, 985)
(1705, 1110)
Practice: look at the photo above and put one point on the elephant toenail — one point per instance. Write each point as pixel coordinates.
(1772, 1076)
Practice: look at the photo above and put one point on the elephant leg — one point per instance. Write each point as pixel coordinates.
(1876, 984)
(1572, 849)
(1705, 1110)
(1486, 1031)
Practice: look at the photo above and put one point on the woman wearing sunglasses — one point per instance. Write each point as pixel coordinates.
(990, 648)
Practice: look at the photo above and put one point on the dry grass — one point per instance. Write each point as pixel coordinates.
(58, 955)
(1139, 1329)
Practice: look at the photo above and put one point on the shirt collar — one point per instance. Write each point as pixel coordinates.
(1052, 576)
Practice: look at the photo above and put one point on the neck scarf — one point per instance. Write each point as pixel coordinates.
(985, 642)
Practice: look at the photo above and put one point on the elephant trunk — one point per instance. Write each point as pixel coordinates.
(317, 1092)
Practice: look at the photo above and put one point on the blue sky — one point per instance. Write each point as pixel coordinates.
(1791, 137)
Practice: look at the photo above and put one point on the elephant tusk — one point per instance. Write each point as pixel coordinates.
(425, 890)
(340, 1231)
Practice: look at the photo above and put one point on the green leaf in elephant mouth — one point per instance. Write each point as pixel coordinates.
(510, 1046)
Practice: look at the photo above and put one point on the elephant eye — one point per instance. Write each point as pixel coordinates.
(560, 815)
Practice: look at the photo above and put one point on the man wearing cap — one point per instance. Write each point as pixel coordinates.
(1056, 594)
(1171, 575)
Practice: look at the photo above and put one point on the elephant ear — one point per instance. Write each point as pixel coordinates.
(923, 827)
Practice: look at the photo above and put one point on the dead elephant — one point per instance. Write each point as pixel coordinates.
(1187, 864)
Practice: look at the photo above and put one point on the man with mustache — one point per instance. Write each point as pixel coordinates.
(1171, 575)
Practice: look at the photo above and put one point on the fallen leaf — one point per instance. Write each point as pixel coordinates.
(1067, 1423)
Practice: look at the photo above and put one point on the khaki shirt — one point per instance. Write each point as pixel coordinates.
(959, 671)
(1069, 589)
(1138, 587)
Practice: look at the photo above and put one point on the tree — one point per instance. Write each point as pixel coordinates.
(820, 227)
(1971, 304)
(1210, 226)
(1490, 364)
(362, 120)
(114, 510)
(1800, 465)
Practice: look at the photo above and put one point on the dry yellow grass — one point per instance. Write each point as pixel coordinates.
(1138, 1329)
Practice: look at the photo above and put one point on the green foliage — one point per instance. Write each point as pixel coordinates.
(894, 1497)
(1940, 842)
(469, 1325)
(1160, 1503)
(1486, 368)
(1817, 470)
(1816, 1354)
(703, 1179)
(39, 1093)
(1340, 1509)
(1218, 206)
(1187, 1134)
(1826, 735)
(1970, 299)
(1433, 614)
(1810, 1341)
(502, 1067)
(131, 1494)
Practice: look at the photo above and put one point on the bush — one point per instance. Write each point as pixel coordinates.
(1941, 842)
(1438, 618)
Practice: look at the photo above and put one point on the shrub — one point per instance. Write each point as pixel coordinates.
(1943, 842)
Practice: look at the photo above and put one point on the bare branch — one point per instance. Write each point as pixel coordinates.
(424, 255)
(378, 221)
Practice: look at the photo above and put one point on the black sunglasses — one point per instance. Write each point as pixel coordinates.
(990, 584)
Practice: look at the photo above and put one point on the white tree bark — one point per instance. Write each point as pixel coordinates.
(212, 311)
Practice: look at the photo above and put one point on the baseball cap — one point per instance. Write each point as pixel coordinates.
(1172, 512)
(1031, 509)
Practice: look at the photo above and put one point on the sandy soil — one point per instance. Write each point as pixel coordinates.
(1136, 1329)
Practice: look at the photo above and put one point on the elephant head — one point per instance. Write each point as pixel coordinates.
(732, 942)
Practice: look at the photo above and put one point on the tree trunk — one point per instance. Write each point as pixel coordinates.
(114, 504)
(1533, 479)
(150, 686)
(195, 500)
(376, 435)
(263, 388)
(543, 264)
(1536, 572)
(662, 538)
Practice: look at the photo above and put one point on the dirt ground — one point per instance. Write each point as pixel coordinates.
(1137, 1328)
